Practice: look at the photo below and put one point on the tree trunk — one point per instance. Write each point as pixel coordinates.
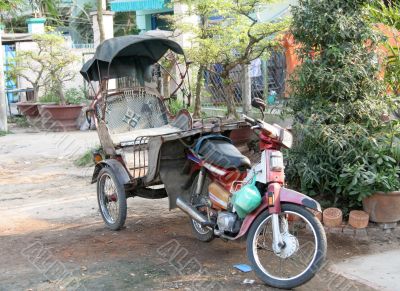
(229, 96)
(100, 19)
(61, 94)
(197, 100)
(35, 92)
(230, 103)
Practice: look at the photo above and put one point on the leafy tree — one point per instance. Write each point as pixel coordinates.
(229, 34)
(59, 68)
(385, 13)
(15, 23)
(47, 66)
(390, 16)
(7, 5)
(125, 24)
(83, 25)
(343, 148)
(48, 9)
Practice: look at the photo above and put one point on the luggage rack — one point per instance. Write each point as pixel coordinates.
(137, 156)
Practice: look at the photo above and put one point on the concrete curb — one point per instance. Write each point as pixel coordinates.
(362, 233)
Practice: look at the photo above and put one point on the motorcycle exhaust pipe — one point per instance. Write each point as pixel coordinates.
(193, 213)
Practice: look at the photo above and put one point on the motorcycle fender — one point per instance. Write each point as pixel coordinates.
(294, 197)
(118, 169)
(281, 195)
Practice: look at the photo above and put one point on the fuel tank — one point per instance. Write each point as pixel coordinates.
(219, 196)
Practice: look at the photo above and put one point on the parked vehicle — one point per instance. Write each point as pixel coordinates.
(147, 152)
(286, 243)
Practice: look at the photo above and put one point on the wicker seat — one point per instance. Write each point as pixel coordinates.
(133, 113)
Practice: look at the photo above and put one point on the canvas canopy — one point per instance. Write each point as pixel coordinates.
(126, 56)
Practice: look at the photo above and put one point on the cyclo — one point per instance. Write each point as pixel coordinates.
(147, 152)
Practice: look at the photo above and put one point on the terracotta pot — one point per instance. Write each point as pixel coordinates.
(358, 219)
(29, 109)
(383, 207)
(332, 217)
(60, 117)
(317, 214)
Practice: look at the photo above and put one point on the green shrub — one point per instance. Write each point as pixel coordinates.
(50, 97)
(72, 96)
(343, 149)
(20, 121)
(390, 16)
(86, 159)
(174, 105)
(75, 96)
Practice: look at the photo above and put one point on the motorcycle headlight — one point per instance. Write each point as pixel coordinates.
(276, 161)
(286, 138)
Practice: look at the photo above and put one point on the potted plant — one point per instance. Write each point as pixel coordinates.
(62, 116)
(376, 183)
(57, 115)
(384, 207)
(383, 204)
(31, 65)
(50, 66)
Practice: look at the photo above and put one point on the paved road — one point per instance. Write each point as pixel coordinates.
(381, 270)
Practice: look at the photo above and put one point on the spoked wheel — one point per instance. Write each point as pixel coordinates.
(111, 198)
(303, 253)
(204, 234)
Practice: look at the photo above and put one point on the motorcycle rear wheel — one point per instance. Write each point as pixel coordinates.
(204, 234)
(305, 243)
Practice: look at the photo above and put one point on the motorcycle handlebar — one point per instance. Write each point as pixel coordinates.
(269, 129)
(250, 120)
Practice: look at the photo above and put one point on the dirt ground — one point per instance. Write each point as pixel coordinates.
(52, 236)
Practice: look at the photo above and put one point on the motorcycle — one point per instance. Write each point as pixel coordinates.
(148, 152)
(286, 243)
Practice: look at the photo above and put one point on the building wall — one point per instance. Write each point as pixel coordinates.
(143, 18)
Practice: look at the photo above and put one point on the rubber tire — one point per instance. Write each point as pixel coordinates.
(120, 221)
(312, 270)
(209, 236)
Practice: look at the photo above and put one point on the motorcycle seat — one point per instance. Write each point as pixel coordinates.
(222, 153)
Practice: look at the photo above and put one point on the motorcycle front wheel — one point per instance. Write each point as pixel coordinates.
(304, 250)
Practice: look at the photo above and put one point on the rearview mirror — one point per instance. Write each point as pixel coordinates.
(259, 104)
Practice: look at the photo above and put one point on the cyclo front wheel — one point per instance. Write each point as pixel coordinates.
(303, 253)
(112, 199)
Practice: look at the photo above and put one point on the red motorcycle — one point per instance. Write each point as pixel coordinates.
(286, 243)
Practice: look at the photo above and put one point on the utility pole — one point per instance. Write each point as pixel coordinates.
(3, 103)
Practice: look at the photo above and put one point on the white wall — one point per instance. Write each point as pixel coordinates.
(182, 10)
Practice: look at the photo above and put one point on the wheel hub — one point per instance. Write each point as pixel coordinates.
(291, 245)
(112, 198)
